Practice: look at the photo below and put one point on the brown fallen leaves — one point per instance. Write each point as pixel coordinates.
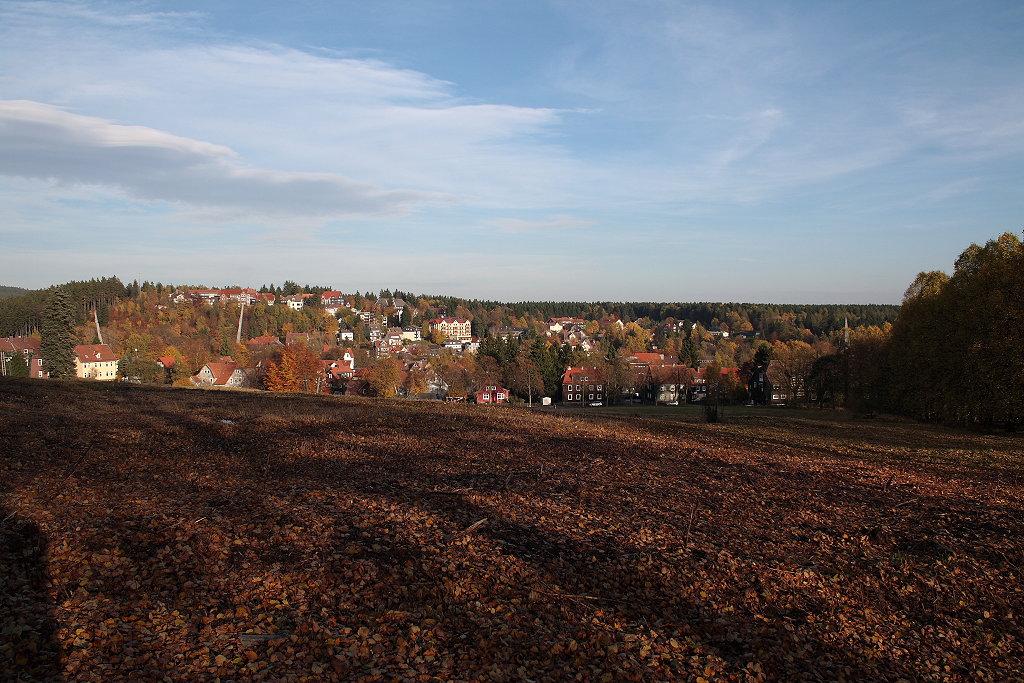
(322, 538)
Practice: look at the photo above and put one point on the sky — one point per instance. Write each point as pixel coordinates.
(639, 150)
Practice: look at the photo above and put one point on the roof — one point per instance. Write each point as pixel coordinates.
(266, 339)
(450, 320)
(652, 358)
(166, 361)
(222, 371)
(20, 344)
(94, 353)
(570, 374)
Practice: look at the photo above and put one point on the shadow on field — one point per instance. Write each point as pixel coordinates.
(27, 642)
(198, 486)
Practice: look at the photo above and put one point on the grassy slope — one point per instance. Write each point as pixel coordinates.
(196, 534)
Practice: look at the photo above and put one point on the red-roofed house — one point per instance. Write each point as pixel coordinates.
(583, 386)
(242, 296)
(493, 393)
(221, 374)
(95, 361)
(331, 298)
(266, 340)
(29, 349)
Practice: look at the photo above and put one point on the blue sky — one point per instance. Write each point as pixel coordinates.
(801, 152)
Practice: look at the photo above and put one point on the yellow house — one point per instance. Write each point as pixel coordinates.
(95, 361)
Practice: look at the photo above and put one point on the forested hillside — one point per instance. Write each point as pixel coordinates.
(6, 292)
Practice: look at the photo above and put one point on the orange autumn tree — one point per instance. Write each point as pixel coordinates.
(297, 370)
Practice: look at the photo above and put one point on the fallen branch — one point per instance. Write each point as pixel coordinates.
(468, 530)
(569, 596)
(75, 466)
(689, 525)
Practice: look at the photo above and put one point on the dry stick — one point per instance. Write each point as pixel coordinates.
(886, 487)
(906, 502)
(693, 511)
(577, 597)
(470, 529)
(75, 466)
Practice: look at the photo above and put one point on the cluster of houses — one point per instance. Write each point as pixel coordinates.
(92, 361)
(654, 377)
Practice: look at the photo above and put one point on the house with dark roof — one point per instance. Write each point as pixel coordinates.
(583, 386)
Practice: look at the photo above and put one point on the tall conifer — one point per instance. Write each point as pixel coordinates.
(58, 335)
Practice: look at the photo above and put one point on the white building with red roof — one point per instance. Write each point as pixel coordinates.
(95, 361)
(225, 373)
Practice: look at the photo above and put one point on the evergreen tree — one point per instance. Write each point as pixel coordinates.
(58, 335)
(14, 364)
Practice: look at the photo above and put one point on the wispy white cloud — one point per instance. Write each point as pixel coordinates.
(513, 226)
(44, 142)
(292, 109)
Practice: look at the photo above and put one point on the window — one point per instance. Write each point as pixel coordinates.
(591, 397)
(599, 387)
(487, 397)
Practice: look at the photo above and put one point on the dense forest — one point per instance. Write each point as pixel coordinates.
(21, 315)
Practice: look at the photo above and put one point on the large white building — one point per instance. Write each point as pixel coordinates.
(452, 328)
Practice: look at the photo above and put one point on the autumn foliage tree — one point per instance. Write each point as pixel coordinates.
(384, 377)
(956, 344)
(297, 370)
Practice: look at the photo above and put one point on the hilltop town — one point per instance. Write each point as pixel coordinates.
(319, 340)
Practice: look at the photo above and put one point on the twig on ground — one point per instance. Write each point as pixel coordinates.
(689, 525)
(468, 530)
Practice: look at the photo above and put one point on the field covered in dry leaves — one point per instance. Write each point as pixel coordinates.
(152, 533)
